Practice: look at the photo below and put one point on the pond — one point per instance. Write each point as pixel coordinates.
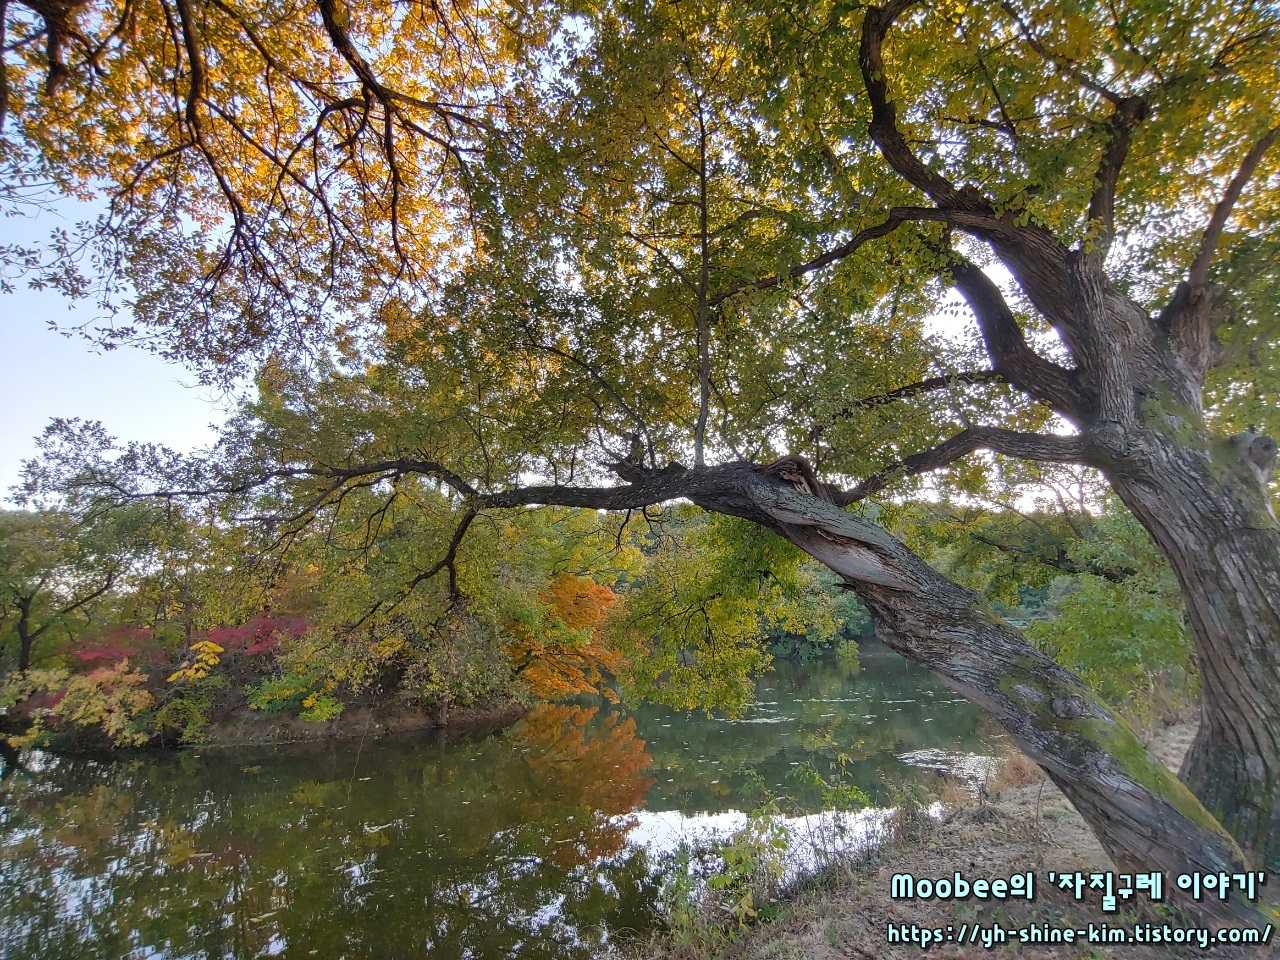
(538, 841)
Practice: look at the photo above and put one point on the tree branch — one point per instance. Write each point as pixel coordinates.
(448, 563)
(944, 382)
(1198, 275)
(1061, 63)
(884, 119)
(1129, 112)
(1009, 443)
(646, 489)
(1116, 573)
(896, 218)
(704, 286)
(1011, 355)
(1188, 314)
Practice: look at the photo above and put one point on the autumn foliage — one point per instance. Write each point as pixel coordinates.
(566, 653)
(600, 760)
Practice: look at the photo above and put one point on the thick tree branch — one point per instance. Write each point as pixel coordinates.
(1034, 255)
(1129, 112)
(1011, 355)
(646, 490)
(1128, 798)
(1009, 443)
(884, 117)
(1188, 315)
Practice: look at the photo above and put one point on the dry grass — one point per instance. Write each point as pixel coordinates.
(1017, 770)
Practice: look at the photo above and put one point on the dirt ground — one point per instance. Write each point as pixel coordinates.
(1030, 826)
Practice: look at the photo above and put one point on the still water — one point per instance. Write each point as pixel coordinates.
(538, 841)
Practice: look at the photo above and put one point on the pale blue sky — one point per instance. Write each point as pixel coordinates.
(43, 375)
(135, 394)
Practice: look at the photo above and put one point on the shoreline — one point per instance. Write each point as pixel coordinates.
(247, 727)
(847, 910)
(244, 726)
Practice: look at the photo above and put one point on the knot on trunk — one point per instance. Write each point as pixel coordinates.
(1069, 707)
(797, 472)
(1257, 452)
(1110, 437)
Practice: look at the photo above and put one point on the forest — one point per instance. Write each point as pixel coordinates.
(629, 348)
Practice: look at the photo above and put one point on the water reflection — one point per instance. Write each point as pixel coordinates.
(536, 842)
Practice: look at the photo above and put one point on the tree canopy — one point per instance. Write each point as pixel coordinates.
(480, 258)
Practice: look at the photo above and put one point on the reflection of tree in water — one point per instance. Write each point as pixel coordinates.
(515, 845)
(482, 849)
(814, 714)
(603, 768)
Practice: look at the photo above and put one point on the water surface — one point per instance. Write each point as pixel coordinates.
(536, 842)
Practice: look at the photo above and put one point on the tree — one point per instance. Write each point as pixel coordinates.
(715, 233)
(55, 570)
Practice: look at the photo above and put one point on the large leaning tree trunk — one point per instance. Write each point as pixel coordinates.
(1210, 516)
(1133, 389)
(1136, 397)
(1144, 816)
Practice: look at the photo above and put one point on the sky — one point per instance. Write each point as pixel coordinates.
(137, 395)
(43, 375)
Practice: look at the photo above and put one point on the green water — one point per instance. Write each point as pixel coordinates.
(539, 841)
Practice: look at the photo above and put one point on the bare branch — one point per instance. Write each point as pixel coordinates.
(446, 563)
(1011, 355)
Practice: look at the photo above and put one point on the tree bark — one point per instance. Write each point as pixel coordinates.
(1207, 508)
(1206, 503)
(1143, 816)
(25, 637)
(1138, 381)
